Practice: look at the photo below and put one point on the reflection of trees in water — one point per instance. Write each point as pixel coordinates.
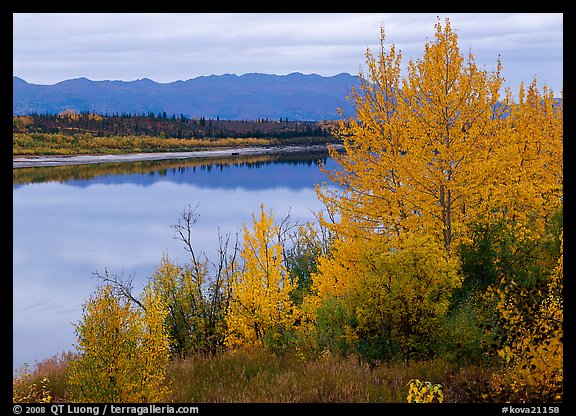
(309, 160)
(162, 167)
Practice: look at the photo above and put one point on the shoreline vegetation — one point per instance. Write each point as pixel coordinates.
(72, 138)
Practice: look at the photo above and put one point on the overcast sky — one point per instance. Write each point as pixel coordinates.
(52, 47)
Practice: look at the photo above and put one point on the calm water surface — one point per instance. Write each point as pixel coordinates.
(72, 222)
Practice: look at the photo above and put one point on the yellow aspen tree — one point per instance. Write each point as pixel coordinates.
(122, 350)
(421, 147)
(154, 350)
(453, 130)
(418, 155)
(436, 151)
(106, 341)
(260, 306)
(534, 161)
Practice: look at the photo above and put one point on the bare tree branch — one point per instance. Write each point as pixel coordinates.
(120, 286)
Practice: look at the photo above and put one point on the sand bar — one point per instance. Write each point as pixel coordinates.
(37, 161)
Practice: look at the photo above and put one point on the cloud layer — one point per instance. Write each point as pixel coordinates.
(51, 47)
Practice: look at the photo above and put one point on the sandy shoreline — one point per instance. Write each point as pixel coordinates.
(37, 161)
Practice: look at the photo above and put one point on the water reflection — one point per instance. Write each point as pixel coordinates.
(70, 222)
(185, 169)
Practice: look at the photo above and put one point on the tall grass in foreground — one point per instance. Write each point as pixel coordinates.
(47, 377)
(256, 376)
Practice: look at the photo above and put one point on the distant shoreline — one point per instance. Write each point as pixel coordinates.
(63, 160)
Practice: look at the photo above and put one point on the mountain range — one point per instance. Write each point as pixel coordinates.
(296, 96)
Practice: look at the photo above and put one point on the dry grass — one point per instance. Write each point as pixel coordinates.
(54, 369)
(256, 376)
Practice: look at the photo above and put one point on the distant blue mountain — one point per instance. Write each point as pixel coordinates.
(295, 96)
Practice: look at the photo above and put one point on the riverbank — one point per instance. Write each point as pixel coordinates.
(63, 160)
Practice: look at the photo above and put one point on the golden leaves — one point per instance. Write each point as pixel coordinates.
(533, 320)
(122, 350)
(424, 392)
(260, 303)
(440, 148)
(25, 390)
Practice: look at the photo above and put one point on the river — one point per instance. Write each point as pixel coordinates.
(70, 222)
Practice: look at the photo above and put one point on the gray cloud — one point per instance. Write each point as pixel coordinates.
(51, 47)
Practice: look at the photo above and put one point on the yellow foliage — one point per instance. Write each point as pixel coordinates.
(25, 390)
(440, 148)
(69, 114)
(420, 148)
(430, 154)
(153, 350)
(424, 392)
(122, 351)
(190, 321)
(260, 306)
(534, 358)
(398, 290)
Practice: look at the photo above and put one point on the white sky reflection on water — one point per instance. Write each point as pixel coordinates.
(64, 233)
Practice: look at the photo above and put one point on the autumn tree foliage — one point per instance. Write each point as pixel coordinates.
(421, 148)
(122, 350)
(432, 156)
(531, 188)
(532, 320)
(261, 309)
(197, 301)
(181, 289)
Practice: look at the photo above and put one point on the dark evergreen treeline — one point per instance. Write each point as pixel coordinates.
(164, 125)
